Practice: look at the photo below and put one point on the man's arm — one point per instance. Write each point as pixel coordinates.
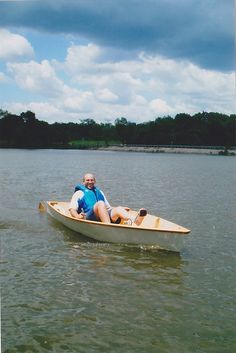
(106, 201)
(73, 207)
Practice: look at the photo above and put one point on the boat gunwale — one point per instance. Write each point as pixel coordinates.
(138, 228)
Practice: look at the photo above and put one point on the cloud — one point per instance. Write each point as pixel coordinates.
(37, 77)
(140, 89)
(161, 106)
(14, 46)
(106, 96)
(152, 77)
(43, 110)
(199, 31)
(77, 101)
(79, 58)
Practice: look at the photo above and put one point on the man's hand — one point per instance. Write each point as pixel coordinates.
(77, 215)
(81, 215)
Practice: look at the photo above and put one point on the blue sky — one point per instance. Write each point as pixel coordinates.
(69, 60)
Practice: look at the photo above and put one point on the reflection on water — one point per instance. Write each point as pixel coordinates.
(63, 292)
(132, 255)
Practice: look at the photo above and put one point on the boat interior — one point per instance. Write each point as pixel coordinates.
(149, 221)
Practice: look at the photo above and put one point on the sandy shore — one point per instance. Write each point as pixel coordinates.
(152, 149)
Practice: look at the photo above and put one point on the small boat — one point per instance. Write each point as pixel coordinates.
(153, 230)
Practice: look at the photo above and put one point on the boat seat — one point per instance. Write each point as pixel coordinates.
(61, 209)
(150, 222)
(157, 222)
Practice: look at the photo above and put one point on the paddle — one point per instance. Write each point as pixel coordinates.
(42, 206)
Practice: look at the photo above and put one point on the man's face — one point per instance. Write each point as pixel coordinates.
(89, 181)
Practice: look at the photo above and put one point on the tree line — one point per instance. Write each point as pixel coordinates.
(201, 129)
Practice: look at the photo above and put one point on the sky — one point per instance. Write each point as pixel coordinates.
(70, 60)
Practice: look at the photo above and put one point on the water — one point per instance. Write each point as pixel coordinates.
(62, 292)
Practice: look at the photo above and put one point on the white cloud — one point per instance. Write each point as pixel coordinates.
(43, 111)
(37, 77)
(166, 86)
(81, 58)
(14, 45)
(77, 101)
(106, 96)
(139, 89)
(160, 106)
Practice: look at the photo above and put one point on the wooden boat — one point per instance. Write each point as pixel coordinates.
(152, 231)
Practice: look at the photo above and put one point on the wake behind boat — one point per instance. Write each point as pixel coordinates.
(152, 231)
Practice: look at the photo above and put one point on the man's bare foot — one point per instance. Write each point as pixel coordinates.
(140, 216)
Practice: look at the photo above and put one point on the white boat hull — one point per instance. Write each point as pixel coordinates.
(171, 238)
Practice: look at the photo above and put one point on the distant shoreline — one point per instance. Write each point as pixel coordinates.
(146, 149)
(185, 150)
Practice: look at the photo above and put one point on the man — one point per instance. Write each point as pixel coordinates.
(89, 202)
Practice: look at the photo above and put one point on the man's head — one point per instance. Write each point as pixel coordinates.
(89, 181)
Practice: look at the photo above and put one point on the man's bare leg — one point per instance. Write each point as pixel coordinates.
(101, 212)
(119, 212)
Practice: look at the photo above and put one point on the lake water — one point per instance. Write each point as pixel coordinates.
(64, 293)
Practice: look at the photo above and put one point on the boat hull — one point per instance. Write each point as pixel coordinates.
(114, 233)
